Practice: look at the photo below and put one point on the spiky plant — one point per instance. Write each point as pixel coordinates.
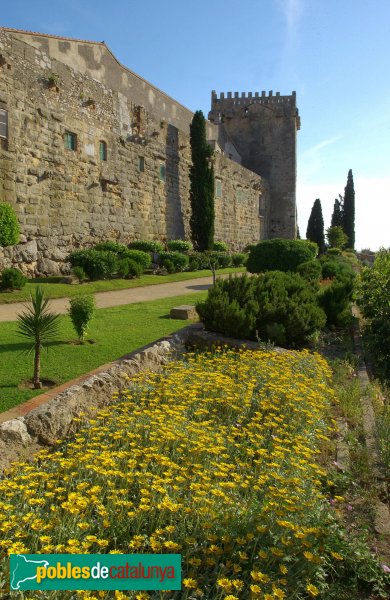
(39, 326)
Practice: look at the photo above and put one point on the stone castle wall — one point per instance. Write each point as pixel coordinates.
(69, 198)
(263, 130)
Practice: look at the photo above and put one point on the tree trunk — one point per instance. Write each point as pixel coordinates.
(37, 366)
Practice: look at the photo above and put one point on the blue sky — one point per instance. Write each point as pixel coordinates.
(334, 53)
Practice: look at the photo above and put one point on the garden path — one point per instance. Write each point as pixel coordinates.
(9, 312)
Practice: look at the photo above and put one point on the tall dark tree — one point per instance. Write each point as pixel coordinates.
(315, 226)
(338, 210)
(349, 211)
(202, 186)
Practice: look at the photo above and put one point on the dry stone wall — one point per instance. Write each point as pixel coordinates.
(85, 162)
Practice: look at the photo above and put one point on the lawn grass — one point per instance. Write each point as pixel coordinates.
(116, 331)
(54, 289)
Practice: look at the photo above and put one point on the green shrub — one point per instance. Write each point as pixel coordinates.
(169, 266)
(138, 256)
(81, 311)
(276, 306)
(334, 267)
(280, 255)
(223, 259)
(335, 299)
(331, 252)
(97, 264)
(311, 270)
(129, 268)
(9, 226)
(79, 273)
(373, 295)
(220, 247)
(147, 246)
(199, 258)
(179, 260)
(179, 246)
(239, 259)
(13, 279)
(111, 246)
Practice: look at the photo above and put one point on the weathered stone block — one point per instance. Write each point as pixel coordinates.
(185, 311)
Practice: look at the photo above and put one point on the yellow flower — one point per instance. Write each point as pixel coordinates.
(312, 589)
(189, 583)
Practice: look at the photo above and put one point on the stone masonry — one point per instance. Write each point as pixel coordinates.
(90, 151)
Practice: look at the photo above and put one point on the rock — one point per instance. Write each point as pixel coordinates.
(184, 312)
(15, 431)
(48, 267)
(22, 238)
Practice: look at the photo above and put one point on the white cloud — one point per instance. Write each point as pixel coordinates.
(292, 10)
(372, 208)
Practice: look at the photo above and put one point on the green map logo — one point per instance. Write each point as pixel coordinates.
(24, 570)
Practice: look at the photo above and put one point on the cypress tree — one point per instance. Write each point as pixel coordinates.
(337, 216)
(349, 211)
(315, 226)
(202, 186)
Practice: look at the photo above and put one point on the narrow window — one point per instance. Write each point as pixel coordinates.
(3, 124)
(261, 206)
(141, 164)
(218, 188)
(162, 172)
(70, 141)
(103, 150)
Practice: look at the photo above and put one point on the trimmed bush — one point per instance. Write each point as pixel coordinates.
(220, 247)
(169, 266)
(81, 311)
(128, 268)
(239, 259)
(179, 246)
(199, 258)
(111, 246)
(179, 260)
(311, 270)
(9, 226)
(280, 255)
(97, 264)
(276, 306)
(147, 246)
(138, 256)
(79, 273)
(331, 252)
(12, 279)
(223, 259)
(335, 299)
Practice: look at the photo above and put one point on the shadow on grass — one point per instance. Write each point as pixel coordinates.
(25, 347)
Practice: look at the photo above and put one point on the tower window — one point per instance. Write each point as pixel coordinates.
(162, 172)
(3, 124)
(103, 150)
(70, 141)
(218, 188)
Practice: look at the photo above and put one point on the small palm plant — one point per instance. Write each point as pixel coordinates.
(40, 326)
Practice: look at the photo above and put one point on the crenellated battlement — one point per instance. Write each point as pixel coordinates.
(248, 98)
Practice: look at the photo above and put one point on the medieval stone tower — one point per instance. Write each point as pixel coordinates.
(263, 130)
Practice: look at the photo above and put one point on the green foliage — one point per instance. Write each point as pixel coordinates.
(280, 255)
(9, 226)
(81, 311)
(202, 186)
(335, 299)
(180, 261)
(332, 252)
(147, 246)
(79, 273)
(138, 256)
(275, 306)
(223, 260)
(338, 211)
(198, 260)
(128, 268)
(179, 246)
(315, 226)
(239, 259)
(220, 247)
(311, 270)
(12, 279)
(373, 298)
(39, 326)
(349, 211)
(111, 246)
(97, 264)
(169, 266)
(334, 266)
(336, 237)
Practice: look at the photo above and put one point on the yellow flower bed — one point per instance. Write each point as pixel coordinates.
(215, 459)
